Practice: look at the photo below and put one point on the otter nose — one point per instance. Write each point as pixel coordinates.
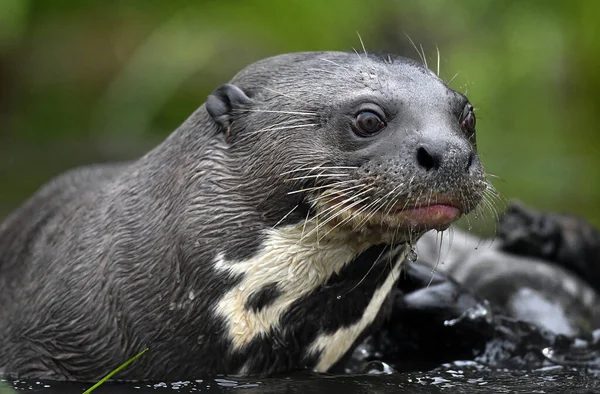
(428, 158)
(433, 156)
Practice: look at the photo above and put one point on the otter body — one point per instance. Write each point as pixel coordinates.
(263, 235)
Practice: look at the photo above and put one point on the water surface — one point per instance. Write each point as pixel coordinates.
(458, 377)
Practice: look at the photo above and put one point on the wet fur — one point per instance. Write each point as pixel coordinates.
(166, 252)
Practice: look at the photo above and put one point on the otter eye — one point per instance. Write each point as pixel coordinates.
(368, 123)
(467, 123)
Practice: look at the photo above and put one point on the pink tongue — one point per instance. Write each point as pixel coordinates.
(435, 216)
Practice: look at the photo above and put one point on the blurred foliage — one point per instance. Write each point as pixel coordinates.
(90, 81)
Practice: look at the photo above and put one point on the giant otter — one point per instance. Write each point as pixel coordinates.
(263, 235)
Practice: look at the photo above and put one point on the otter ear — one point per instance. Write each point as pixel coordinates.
(223, 101)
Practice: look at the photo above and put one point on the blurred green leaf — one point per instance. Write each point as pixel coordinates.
(86, 81)
(13, 20)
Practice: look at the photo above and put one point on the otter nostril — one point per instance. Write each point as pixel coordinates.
(471, 159)
(427, 160)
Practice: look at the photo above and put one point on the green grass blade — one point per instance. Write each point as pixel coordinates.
(6, 389)
(120, 367)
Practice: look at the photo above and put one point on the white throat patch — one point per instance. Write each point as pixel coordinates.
(298, 268)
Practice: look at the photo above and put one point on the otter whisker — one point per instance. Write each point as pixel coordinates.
(437, 261)
(333, 198)
(390, 263)
(322, 173)
(419, 198)
(279, 112)
(333, 195)
(318, 168)
(416, 49)
(339, 65)
(380, 209)
(341, 212)
(493, 193)
(335, 215)
(462, 197)
(486, 201)
(368, 216)
(452, 79)
(244, 138)
(282, 128)
(304, 226)
(308, 189)
(321, 70)
(282, 94)
(494, 199)
(279, 127)
(391, 193)
(368, 272)
(391, 203)
(361, 43)
(330, 198)
(334, 191)
(488, 198)
(299, 121)
(315, 202)
(450, 236)
(438, 60)
(424, 57)
(493, 176)
(284, 217)
(394, 200)
(341, 203)
(286, 122)
(431, 194)
(407, 199)
(309, 167)
(381, 200)
(299, 178)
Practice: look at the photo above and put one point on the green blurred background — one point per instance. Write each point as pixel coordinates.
(95, 81)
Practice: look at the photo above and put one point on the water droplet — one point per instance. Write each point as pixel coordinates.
(412, 255)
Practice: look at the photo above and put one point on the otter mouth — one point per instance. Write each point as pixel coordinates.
(437, 216)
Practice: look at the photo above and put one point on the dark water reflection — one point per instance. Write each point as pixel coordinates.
(459, 377)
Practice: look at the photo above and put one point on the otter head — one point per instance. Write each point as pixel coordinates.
(375, 145)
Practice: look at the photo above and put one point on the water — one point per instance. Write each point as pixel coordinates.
(412, 255)
(457, 377)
